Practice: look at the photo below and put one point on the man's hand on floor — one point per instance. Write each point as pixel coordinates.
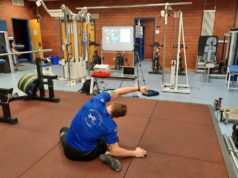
(140, 153)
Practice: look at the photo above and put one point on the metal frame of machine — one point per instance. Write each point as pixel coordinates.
(232, 55)
(174, 86)
(74, 65)
(8, 50)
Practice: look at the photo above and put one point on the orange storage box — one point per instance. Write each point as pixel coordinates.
(101, 74)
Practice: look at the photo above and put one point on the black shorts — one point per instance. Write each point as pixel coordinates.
(77, 155)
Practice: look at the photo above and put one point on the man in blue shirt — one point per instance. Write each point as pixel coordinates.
(93, 131)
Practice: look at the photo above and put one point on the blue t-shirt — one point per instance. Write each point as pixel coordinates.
(90, 123)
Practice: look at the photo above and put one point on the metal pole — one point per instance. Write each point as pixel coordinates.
(184, 53)
(178, 49)
(87, 60)
(26, 52)
(75, 33)
(139, 5)
(176, 29)
(86, 35)
(66, 39)
(164, 51)
(10, 57)
(61, 40)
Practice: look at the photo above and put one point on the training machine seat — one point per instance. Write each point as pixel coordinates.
(232, 76)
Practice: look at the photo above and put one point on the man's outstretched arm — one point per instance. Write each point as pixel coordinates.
(116, 150)
(126, 90)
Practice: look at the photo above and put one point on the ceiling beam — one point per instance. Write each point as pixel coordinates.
(139, 5)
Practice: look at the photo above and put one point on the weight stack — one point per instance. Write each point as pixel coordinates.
(29, 84)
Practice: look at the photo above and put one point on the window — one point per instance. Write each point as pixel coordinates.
(18, 2)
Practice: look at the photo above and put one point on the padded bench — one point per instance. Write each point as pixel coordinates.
(232, 76)
(23, 60)
(2, 61)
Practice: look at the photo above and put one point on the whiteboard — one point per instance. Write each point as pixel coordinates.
(118, 38)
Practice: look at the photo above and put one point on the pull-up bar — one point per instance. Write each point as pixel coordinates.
(139, 5)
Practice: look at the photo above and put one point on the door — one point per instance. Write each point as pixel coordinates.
(22, 38)
(35, 34)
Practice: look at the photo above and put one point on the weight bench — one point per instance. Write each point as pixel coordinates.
(5, 95)
(232, 76)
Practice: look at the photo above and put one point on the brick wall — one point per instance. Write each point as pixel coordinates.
(225, 17)
(9, 11)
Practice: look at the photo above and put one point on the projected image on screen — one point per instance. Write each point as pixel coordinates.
(117, 38)
(112, 36)
(125, 36)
